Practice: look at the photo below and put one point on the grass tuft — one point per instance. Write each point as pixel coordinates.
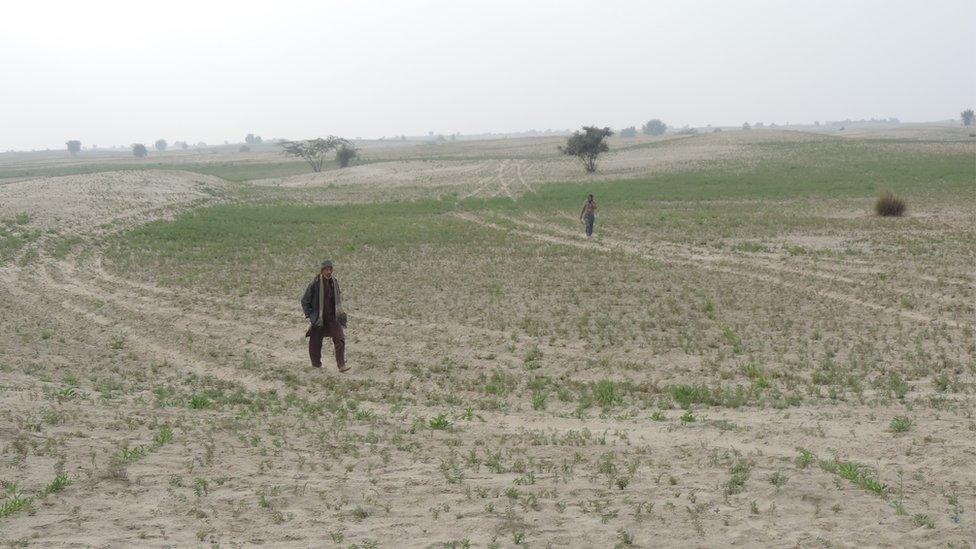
(900, 424)
(59, 483)
(606, 394)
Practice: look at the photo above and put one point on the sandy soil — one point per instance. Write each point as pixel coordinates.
(239, 479)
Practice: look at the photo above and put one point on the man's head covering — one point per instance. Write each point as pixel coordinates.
(326, 263)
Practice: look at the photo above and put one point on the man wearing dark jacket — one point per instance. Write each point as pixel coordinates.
(322, 305)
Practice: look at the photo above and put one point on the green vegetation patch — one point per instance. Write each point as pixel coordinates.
(791, 171)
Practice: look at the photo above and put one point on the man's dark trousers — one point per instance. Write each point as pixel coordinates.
(332, 329)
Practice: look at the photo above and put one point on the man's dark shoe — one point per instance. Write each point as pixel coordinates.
(343, 368)
(316, 365)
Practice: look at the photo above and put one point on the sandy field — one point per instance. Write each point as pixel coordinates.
(743, 372)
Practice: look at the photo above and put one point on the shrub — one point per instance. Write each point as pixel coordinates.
(654, 127)
(244, 149)
(346, 153)
(139, 150)
(889, 205)
(629, 132)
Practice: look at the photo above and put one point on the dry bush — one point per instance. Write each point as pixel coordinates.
(889, 205)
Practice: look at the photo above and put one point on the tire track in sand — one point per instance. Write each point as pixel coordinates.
(521, 178)
(699, 262)
(829, 274)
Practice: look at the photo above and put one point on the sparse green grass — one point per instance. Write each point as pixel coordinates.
(733, 340)
(687, 395)
(14, 235)
(778, 479)
(709, 307)
(60, 482)
(126, 455)
(900, 424)
(605, 393)
(200, 402)
(754, 372)
(625, 337)
(440, 422)
(13, 500)
(67, 393)
(805, 459)
(164, 436)
(923, 520)
(539, 399)
(857, 473)
(533, 359)
(829, 169)
(739, 474)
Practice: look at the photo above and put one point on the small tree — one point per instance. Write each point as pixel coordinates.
(244, 149)
(628, 132)
(587, 145)
(161, 145)
(346, 153)
(74, 146)
(252, 139)
(654, 127)
(746, 126)
(313, 151)
(139, 150)
(968, 118)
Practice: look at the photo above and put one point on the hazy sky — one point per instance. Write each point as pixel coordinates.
(112, 73)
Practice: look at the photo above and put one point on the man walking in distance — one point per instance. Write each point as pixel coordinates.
(322, 305)
(589, 213)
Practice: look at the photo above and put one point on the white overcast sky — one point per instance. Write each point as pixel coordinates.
(111, 73)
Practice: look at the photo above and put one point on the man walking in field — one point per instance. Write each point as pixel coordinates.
(589, 214)
(322, 305)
